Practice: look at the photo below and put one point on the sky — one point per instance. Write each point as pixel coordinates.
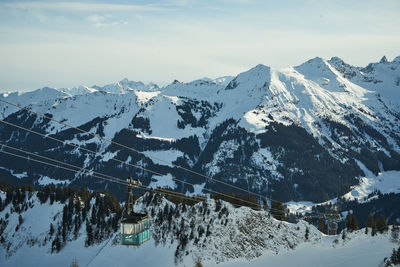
(66, 44)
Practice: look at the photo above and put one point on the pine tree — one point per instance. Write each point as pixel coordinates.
(208, 232)
(321, 225)
(395, 257)
(373, 231)
(351, 222)
(74, 263)
(64, 233)
(20, 220)
(200, 230)
(56, 245)
(89, 234)
(192, 224)
(370, 222)
(381, 224)
(217, 205)
(93, 217)
(307, 233)
(198, 263)
(277, 210)
(77, 224)
(52, 198)
(51, 231)
(395, 232)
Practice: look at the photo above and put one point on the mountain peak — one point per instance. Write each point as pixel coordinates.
(224, 80)
(260, 67)
(316, 62)
(336, 60)
(152, 86)
(397, 59)
(318, 67)
(126, 85)
(131, 84)
(254, 77)
(383, 60)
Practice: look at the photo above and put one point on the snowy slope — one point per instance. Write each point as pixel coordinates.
(383, 77)
(360, 250)
(41, 97)
(238, 237)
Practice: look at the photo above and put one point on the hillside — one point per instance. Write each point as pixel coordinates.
(213, 231)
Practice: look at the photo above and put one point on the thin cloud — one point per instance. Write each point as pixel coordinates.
(80, 6)
(104, 20)
(40, 17)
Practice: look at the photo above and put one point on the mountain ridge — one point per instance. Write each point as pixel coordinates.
(229, 127)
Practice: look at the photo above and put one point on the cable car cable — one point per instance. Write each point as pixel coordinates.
(57, 166)
(145, 169)
(113, 178)
(117, 180)
(135, 150)
(98, 174)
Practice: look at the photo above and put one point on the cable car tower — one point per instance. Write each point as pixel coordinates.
(135, 227)
(332, 219)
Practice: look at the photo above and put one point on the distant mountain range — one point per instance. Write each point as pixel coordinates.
(298, 133)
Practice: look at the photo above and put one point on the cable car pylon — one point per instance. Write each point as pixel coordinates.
(135, 227)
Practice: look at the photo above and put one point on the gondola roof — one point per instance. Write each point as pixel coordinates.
(134, 218)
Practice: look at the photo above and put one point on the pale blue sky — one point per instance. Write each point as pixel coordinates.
(64, 44)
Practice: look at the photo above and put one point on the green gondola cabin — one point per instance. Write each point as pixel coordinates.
(135, 230)
(135, 227)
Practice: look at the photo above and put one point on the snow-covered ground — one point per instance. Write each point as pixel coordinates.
(45, 180)
(385, 182)
(109, 255)
(165, 181)
(162, 156)
(360, 250)
(299, 206)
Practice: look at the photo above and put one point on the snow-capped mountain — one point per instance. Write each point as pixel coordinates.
(78, 90)
(298, 133)
(125, 85)
(382, 77)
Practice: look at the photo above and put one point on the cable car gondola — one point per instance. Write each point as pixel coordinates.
(135, 227)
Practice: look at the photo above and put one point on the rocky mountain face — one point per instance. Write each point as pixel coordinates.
(299, 133)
